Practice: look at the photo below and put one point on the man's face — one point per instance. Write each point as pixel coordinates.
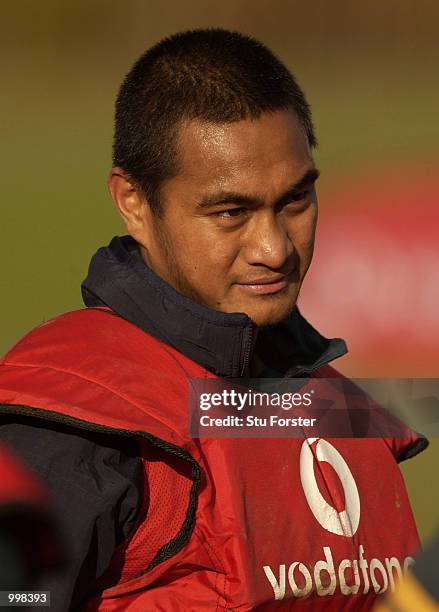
(237, 227)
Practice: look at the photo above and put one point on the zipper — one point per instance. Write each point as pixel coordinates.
(248, 350)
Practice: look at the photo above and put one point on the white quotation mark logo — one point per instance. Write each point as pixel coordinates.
(343, 523)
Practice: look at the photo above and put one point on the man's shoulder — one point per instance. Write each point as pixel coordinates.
(91, 365)
(327, 371)
(372, 420)
(87, 328)
(90, 338)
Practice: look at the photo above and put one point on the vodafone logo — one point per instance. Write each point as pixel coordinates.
(326, 574)
(345, 523)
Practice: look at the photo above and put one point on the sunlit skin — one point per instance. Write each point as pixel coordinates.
(237, 229)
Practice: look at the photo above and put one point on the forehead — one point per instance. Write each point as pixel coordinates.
(242, 154)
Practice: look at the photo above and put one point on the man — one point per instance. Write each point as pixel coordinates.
(214, 177)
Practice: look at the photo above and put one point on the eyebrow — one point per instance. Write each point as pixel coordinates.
(227, 197)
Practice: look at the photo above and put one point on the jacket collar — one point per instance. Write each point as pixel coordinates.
(223, 343)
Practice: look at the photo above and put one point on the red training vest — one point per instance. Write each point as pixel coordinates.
(227, 524)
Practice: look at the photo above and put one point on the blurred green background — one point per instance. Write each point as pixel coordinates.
(368, 69)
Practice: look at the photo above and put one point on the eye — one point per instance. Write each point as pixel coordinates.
(300, 195)
(230, 213)
(297, 202)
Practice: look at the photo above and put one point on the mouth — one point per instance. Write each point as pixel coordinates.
(267, 285)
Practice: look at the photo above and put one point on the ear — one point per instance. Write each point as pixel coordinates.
(131, 204)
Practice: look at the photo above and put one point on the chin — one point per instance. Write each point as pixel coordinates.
(263, 310)
(269, 321)
(273, 309)
(272, 317)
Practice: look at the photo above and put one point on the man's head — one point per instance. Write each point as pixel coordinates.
(213, 172)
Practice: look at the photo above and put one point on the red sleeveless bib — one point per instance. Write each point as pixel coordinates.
(227, 524)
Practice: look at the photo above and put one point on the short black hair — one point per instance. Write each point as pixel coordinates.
(211, 74)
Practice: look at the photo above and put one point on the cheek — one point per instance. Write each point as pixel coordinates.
(205, 251)
(302, 232)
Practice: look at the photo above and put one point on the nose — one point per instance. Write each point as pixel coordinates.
(267, 242)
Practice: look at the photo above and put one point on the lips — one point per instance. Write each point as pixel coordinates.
(266, 280)
(266, 285)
